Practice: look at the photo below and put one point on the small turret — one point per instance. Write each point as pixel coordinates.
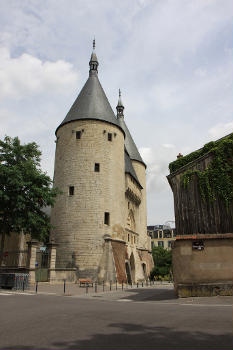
(120, 107)
(93, 61)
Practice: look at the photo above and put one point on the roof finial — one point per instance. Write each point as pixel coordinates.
(120, 107)
(93, 61)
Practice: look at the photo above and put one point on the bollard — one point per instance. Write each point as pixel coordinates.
(122, 285)
(86, 288)
(110, 285)
(36, 286)
(64, 286)
(103, 286)
(137, 284)
(116, 284)
(23, 285)
(142, 284)
(95, 287)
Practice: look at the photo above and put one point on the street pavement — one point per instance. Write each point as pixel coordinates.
(136, 318)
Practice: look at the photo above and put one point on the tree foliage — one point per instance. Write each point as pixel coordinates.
(24, 190)
(162, 261)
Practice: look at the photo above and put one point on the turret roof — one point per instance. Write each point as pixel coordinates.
(91, 103)
(129, 169)
(129, 143)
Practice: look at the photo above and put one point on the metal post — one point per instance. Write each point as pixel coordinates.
(64, 286)
(137, 284)
(110, 285)
(86, 288)
(142, 284)
(116, 284)
(36, 286)
(23, 284)
(122, 285)
(103, 286)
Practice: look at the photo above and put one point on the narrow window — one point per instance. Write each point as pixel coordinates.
(97, 167)
(78, 134)
(106, 218)
(109, 136)
(71, 190)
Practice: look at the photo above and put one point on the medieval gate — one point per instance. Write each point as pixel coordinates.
(42, 265)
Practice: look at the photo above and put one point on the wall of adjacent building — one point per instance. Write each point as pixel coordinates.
(209, 265)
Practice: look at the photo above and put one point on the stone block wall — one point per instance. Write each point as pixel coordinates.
(79, 219)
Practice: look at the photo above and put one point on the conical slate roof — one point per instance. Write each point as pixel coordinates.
(129, 169)
(91, 103)
(129, 143)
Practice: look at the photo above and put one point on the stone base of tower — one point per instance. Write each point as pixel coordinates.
(58, 275)
(120, 262)
(124, 263)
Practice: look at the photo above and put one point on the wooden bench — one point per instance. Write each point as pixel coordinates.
(85, 282)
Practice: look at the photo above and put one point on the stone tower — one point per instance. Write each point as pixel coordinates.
(102, 178)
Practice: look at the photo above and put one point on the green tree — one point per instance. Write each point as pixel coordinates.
(24, 191)
(162, 261)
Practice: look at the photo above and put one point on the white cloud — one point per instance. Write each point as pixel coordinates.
(168, 145)
(220, 130)
(27, 75)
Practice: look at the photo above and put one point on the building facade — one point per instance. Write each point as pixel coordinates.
(99, 219)
(161, 235)
(202, 255)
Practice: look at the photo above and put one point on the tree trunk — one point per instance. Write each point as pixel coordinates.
(2, 247)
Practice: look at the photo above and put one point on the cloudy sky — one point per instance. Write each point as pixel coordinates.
(173, 60)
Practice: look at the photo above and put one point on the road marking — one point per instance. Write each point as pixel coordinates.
(124, 300)
(5, 294)
(207, 305)
(183, 304)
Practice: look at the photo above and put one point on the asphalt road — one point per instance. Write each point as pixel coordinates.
(137, 319)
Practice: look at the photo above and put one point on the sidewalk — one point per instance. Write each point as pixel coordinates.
(72, 289)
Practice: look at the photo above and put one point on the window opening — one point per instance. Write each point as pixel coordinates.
(71, 190)
(106, 218)
(78, 134)
(97, 167)
(109, 136)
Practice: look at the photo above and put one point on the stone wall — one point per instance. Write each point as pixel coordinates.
(79, 219)
(209, 265)
(142, 215)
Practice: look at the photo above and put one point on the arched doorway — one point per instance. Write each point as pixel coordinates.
(144, 270)
(132, 267)
(128, 273)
